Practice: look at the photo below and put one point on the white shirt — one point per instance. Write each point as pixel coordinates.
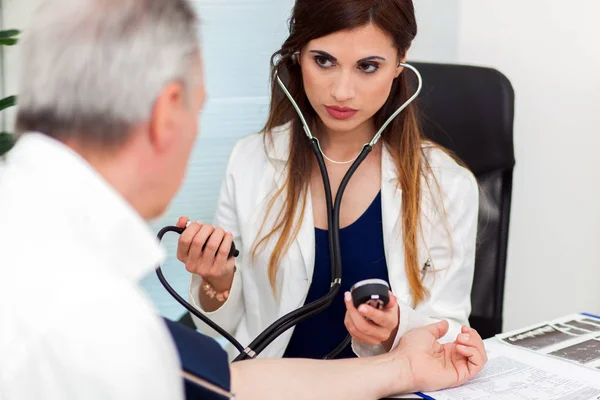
(73, 322)
(255, 172)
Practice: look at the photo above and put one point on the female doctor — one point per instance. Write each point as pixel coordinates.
(408, 215)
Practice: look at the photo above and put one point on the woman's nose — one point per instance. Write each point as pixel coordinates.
(342, 88)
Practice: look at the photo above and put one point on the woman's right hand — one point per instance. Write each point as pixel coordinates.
(210, 263)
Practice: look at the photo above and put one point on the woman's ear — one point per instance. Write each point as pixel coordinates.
(296, 57)
(400, 68)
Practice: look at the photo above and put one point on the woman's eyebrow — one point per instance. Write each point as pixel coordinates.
(332, 58)
(324, 54)
(370, 58)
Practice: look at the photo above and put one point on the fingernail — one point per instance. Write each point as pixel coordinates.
(347, 296)
(465, 337)
(363, 309)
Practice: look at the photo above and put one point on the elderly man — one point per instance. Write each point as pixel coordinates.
(110, 93)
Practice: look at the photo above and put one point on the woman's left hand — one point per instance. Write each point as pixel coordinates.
(380, 327)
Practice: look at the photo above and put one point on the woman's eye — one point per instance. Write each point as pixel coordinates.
(368, 68)
(323, 62)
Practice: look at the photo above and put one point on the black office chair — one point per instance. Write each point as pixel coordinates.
(469, 110)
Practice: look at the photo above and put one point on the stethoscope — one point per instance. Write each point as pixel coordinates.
(333, 217)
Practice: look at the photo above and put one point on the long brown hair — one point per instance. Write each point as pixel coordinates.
(312, 19)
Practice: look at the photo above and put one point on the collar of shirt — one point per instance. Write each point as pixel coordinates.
(105, 220)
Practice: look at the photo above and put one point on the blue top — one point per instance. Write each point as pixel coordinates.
(363, 257)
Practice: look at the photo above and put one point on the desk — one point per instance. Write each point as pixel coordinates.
(541, 361)
(494, 348)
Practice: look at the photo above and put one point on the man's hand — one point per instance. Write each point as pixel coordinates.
(435, 366)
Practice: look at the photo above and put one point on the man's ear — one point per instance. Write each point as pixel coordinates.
(166, 115)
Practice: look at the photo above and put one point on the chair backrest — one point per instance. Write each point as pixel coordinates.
(469, 110)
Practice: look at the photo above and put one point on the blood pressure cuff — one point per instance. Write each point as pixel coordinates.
(203, 357)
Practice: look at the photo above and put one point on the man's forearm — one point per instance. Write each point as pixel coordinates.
(301, 379)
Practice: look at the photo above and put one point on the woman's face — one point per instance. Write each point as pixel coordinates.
(348, 75)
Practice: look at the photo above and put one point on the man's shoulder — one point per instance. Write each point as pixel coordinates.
(74, 294)
(87, 323)
(104, 295)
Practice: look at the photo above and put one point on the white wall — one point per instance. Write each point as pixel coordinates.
(549, 50)
(437, 36)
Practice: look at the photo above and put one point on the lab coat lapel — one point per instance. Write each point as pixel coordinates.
(298, 263)
(306, 239)
(391, 210)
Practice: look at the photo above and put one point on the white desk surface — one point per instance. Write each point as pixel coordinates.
(570, 370)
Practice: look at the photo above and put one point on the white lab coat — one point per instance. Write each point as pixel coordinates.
(74, 323)
(255, 172)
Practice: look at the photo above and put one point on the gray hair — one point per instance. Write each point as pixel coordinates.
(92, 69)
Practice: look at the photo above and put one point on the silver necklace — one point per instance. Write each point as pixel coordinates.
(333, 161)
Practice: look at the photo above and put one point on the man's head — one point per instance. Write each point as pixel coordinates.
(119, 81)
